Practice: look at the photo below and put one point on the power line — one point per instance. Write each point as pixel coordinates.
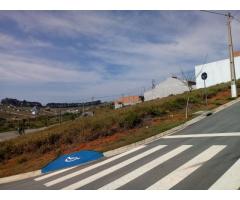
(224, 14)
(217, 13)
(205, 61)
(238, 20)
(235, 13)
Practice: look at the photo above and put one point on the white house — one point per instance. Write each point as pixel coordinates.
(218, 71)
(170, 86)
(35, 110)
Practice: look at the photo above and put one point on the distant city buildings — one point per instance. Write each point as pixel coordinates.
(218, 71)
(71, 105)
(72, 111)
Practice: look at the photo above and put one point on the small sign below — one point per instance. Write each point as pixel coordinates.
(204, 76)
(72, 159)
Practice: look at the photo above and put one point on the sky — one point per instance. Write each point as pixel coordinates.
(75, 56)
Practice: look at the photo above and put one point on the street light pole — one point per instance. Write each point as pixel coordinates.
(231, 58)
(230, 47)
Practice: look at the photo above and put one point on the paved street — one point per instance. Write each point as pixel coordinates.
(203, 156)
(13, 134)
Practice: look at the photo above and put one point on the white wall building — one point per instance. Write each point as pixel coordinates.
(168, 87)
(35, 110)
(218, 72)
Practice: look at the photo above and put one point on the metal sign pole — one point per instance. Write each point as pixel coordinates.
(204, 77)
(205, 90)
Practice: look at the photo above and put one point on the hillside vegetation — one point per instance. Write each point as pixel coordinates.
(31, 122)
(107, 130)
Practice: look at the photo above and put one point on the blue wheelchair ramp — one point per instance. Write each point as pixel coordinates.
(72, 159)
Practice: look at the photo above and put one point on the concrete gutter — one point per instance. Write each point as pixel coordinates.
(222, 107)
(128, 147)
(19, 177)
(153, 138)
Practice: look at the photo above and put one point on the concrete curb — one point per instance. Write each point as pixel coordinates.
(153, 138)
(19, 177)
(222, 107)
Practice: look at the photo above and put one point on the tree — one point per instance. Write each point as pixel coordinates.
(188, 79)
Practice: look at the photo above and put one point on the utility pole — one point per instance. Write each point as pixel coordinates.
(60, 116)
(205, 91)
(230, 48)
(83, 108)
(231, 57)
(153, 84)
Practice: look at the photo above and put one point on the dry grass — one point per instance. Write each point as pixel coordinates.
(107, 130)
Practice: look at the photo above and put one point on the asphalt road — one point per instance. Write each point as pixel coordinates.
(203, 156)
(13, 134)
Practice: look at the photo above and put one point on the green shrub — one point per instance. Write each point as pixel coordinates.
(6, 150)
(231, 98)
(53, 138)
(155, 111)
(97, 125)
(58, 152)
(70, 137)
(218, 103)
(130, 120)
(3, 153)
(93, 136)
(38, 144)
(44, 148)
(195, 100)
(175, 104)
(2, 121)
(22, 160)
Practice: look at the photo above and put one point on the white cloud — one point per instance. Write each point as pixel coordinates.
(18, 69)
(67, 23)
(206, 36)
(7, 41)
(145, 46)
(11, 43)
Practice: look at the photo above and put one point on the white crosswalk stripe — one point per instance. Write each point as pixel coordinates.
(68, 176)
(113, 168)
(145, 168)
(230, 180)
(53, 174)
(186, 169)
(203, 135)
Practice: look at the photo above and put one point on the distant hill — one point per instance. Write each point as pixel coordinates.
(68, 105)
(16, 102)
(24, 103)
